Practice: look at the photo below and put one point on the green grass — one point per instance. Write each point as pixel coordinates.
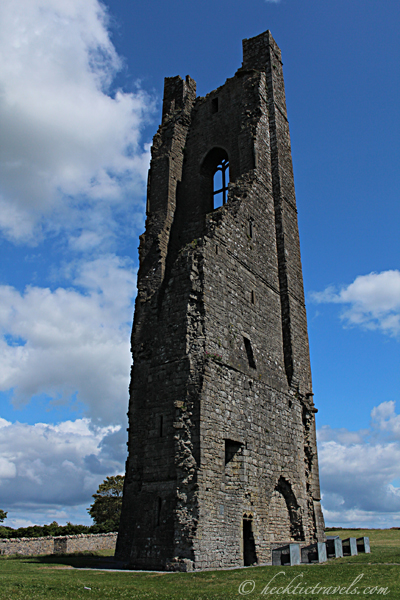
(64, 577)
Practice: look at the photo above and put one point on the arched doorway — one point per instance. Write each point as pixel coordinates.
(249, 546)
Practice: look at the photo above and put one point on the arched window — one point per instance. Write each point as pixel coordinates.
(220, 183)
(215, 178)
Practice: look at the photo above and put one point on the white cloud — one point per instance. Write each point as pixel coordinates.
(66, 142)
(66, 342)
(374, 301)
(7, 469)
(72, 162)
(358, 471)
(385, 420)
(340, 435)
(48, 468)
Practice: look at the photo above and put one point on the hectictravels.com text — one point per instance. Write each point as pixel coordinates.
(278, 586)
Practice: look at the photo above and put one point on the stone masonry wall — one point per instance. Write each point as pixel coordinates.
(222, 457)
(58, 545)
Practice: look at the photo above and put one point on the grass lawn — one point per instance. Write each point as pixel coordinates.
(65, 577)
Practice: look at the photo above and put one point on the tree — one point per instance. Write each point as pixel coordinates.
(106, 508)
(3, 516)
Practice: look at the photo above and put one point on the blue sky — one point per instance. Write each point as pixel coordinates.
(82, 85)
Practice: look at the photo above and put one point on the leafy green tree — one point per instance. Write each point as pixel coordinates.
(3, 530)
(106, 508)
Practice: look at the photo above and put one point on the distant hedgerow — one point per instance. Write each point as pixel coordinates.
(52, 530)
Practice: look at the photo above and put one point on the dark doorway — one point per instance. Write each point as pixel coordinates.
(249, 547)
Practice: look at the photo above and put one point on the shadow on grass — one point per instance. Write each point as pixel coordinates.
(78, 560)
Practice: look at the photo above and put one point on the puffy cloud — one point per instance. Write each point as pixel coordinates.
(385, 420)
(71, 342)
(358, 471)
(7, 469)
(340, 435)
(68, 142)
(51, 471)
(71, 162)
(374, 301)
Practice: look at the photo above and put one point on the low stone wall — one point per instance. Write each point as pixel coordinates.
(65, 544)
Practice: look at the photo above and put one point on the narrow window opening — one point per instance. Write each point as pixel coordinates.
(249, 546)
(214, 105)
(216, 249)
(252, 297)
(158, 511)
(249, 352)
(231, 450)
(215, 177)
(220, 183)
(161, 425)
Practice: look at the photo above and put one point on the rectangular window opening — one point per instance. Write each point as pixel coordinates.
(214, 105)
(249, 352)
(158, 511)
(252, 297)
(231, 450)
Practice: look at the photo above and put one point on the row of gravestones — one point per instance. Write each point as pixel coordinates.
(334, 547)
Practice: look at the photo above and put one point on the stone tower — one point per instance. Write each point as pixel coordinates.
(222, 453)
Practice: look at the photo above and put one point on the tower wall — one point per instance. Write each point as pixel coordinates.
(222, 457)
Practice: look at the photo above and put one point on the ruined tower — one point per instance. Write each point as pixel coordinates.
(222, 457)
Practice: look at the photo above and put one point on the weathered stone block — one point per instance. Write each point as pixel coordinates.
(314, 553)
(350, 547)
(363, 545)
(334, 547)
(286, 555)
